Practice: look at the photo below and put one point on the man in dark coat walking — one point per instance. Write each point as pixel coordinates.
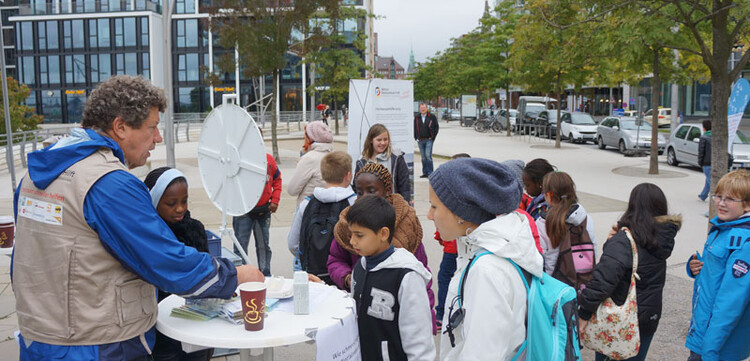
(425, 131)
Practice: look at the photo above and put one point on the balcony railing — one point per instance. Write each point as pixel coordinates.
(87, 6)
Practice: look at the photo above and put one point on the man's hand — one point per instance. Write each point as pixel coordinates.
(273, 207)
(249, 273)
(695, 265)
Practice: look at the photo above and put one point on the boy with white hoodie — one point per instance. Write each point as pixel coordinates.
(388, 286)
(335, 168)
(474, 200)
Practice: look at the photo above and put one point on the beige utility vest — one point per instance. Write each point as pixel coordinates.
(69, 290)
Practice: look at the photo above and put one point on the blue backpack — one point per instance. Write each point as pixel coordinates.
(551, 320)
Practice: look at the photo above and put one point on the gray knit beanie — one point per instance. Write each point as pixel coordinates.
(476, 189)
(516, 165)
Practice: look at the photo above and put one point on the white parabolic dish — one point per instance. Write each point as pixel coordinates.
(232, 159)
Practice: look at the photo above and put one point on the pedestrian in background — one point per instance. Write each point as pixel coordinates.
(704, 158)
(307, 173)
(533, 175)
(425, 131)
(258, 221)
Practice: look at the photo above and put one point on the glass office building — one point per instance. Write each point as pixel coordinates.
(62, 49)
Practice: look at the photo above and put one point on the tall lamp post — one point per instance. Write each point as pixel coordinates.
(168, 89)
(6, 108)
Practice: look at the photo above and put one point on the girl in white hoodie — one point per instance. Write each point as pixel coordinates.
(474, 200)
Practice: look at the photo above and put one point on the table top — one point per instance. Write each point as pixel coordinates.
(280, 328)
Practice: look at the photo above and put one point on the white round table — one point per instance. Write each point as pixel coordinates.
(280, 328)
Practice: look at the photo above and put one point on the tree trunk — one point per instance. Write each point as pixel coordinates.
(313, 106)
(653, 164)
(720, 91)
(274, 121)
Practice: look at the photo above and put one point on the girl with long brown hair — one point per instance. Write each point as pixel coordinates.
(378, 149)
(563, 215)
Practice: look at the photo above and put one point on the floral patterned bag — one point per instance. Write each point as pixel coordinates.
(613, 330)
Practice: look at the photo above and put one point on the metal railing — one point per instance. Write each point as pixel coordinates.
(187, 128)
(88, 6)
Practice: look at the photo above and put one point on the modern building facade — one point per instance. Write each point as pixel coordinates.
(62, 49)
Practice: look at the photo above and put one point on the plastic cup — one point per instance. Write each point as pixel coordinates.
(7, 230)
(253, 298)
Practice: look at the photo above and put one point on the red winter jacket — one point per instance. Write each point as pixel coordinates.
(272, 190)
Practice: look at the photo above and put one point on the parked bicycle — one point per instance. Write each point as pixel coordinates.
(484, 124)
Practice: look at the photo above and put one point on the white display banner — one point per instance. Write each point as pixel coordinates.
(340, 342)
(738, 100)
(385, 101)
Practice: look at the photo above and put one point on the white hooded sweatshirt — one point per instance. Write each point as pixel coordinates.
(415, 317)
(325, 195)
(494, 299)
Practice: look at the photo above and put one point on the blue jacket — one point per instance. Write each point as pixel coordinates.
(118, 207)
(720, 325)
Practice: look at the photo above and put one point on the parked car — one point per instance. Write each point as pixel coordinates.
(454, 114)
(625, 134)
(513, 116)
(547, 120)
(578, 127)
(530, 106)
(631, 113)
(664, 117)
(683, 146)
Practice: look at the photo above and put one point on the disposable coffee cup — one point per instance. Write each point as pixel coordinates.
(253, 298)
(7, 230)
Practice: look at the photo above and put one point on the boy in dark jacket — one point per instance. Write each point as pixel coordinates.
(388, 285)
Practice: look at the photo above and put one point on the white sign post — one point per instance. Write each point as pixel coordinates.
(385, 101)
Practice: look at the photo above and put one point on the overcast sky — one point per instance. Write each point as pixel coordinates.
(425, 25)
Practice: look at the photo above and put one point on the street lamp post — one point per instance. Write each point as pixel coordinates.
(168, 89)
(6, 109)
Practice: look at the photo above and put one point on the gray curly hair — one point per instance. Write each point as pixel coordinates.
(125, 96)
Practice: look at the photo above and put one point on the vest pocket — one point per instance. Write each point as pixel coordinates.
(136, 300)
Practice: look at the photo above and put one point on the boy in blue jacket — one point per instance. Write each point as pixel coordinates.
(720, 324)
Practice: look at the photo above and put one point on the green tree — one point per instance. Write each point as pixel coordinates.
(262, 32)
(717, 29)
(338, 58)
(551, 51)
(22, 117)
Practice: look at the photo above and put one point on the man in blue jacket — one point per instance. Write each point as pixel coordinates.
(91, 249)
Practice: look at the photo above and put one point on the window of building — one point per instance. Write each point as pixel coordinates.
(74, 104)
(26, 36)
(51, 106)
(146, 66)
(27, 70)
(73, 34)
(52, 36)
(187, 67)
(184, 7)
(103, 32)
(31, 100)
(49, 70)
(130, 31)
(10, 57)
(75, 69)
(119, 33)
(188, 100)
(187, 33)
(101, 65)
(41, 32)
(144, 32)
(93, 36)
(131, 64)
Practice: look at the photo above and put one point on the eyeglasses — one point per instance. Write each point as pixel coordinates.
(719, 199)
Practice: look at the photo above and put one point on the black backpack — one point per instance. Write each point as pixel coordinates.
(316, 234)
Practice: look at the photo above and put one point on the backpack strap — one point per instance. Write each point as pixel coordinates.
(526, 277)
(465, 274)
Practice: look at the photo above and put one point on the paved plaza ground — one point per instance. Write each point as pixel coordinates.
(603, 180)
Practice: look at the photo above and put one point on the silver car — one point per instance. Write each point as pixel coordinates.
(683, 146)
(625, 134)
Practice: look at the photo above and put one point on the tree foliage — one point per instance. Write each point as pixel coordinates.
(22, 117)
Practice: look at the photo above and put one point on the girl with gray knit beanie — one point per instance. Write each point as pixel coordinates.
(474, 201)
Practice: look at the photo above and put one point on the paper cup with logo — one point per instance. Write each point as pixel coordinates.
(253, 298)
(7, 230)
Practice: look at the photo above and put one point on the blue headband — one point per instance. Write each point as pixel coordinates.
(162, 183)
